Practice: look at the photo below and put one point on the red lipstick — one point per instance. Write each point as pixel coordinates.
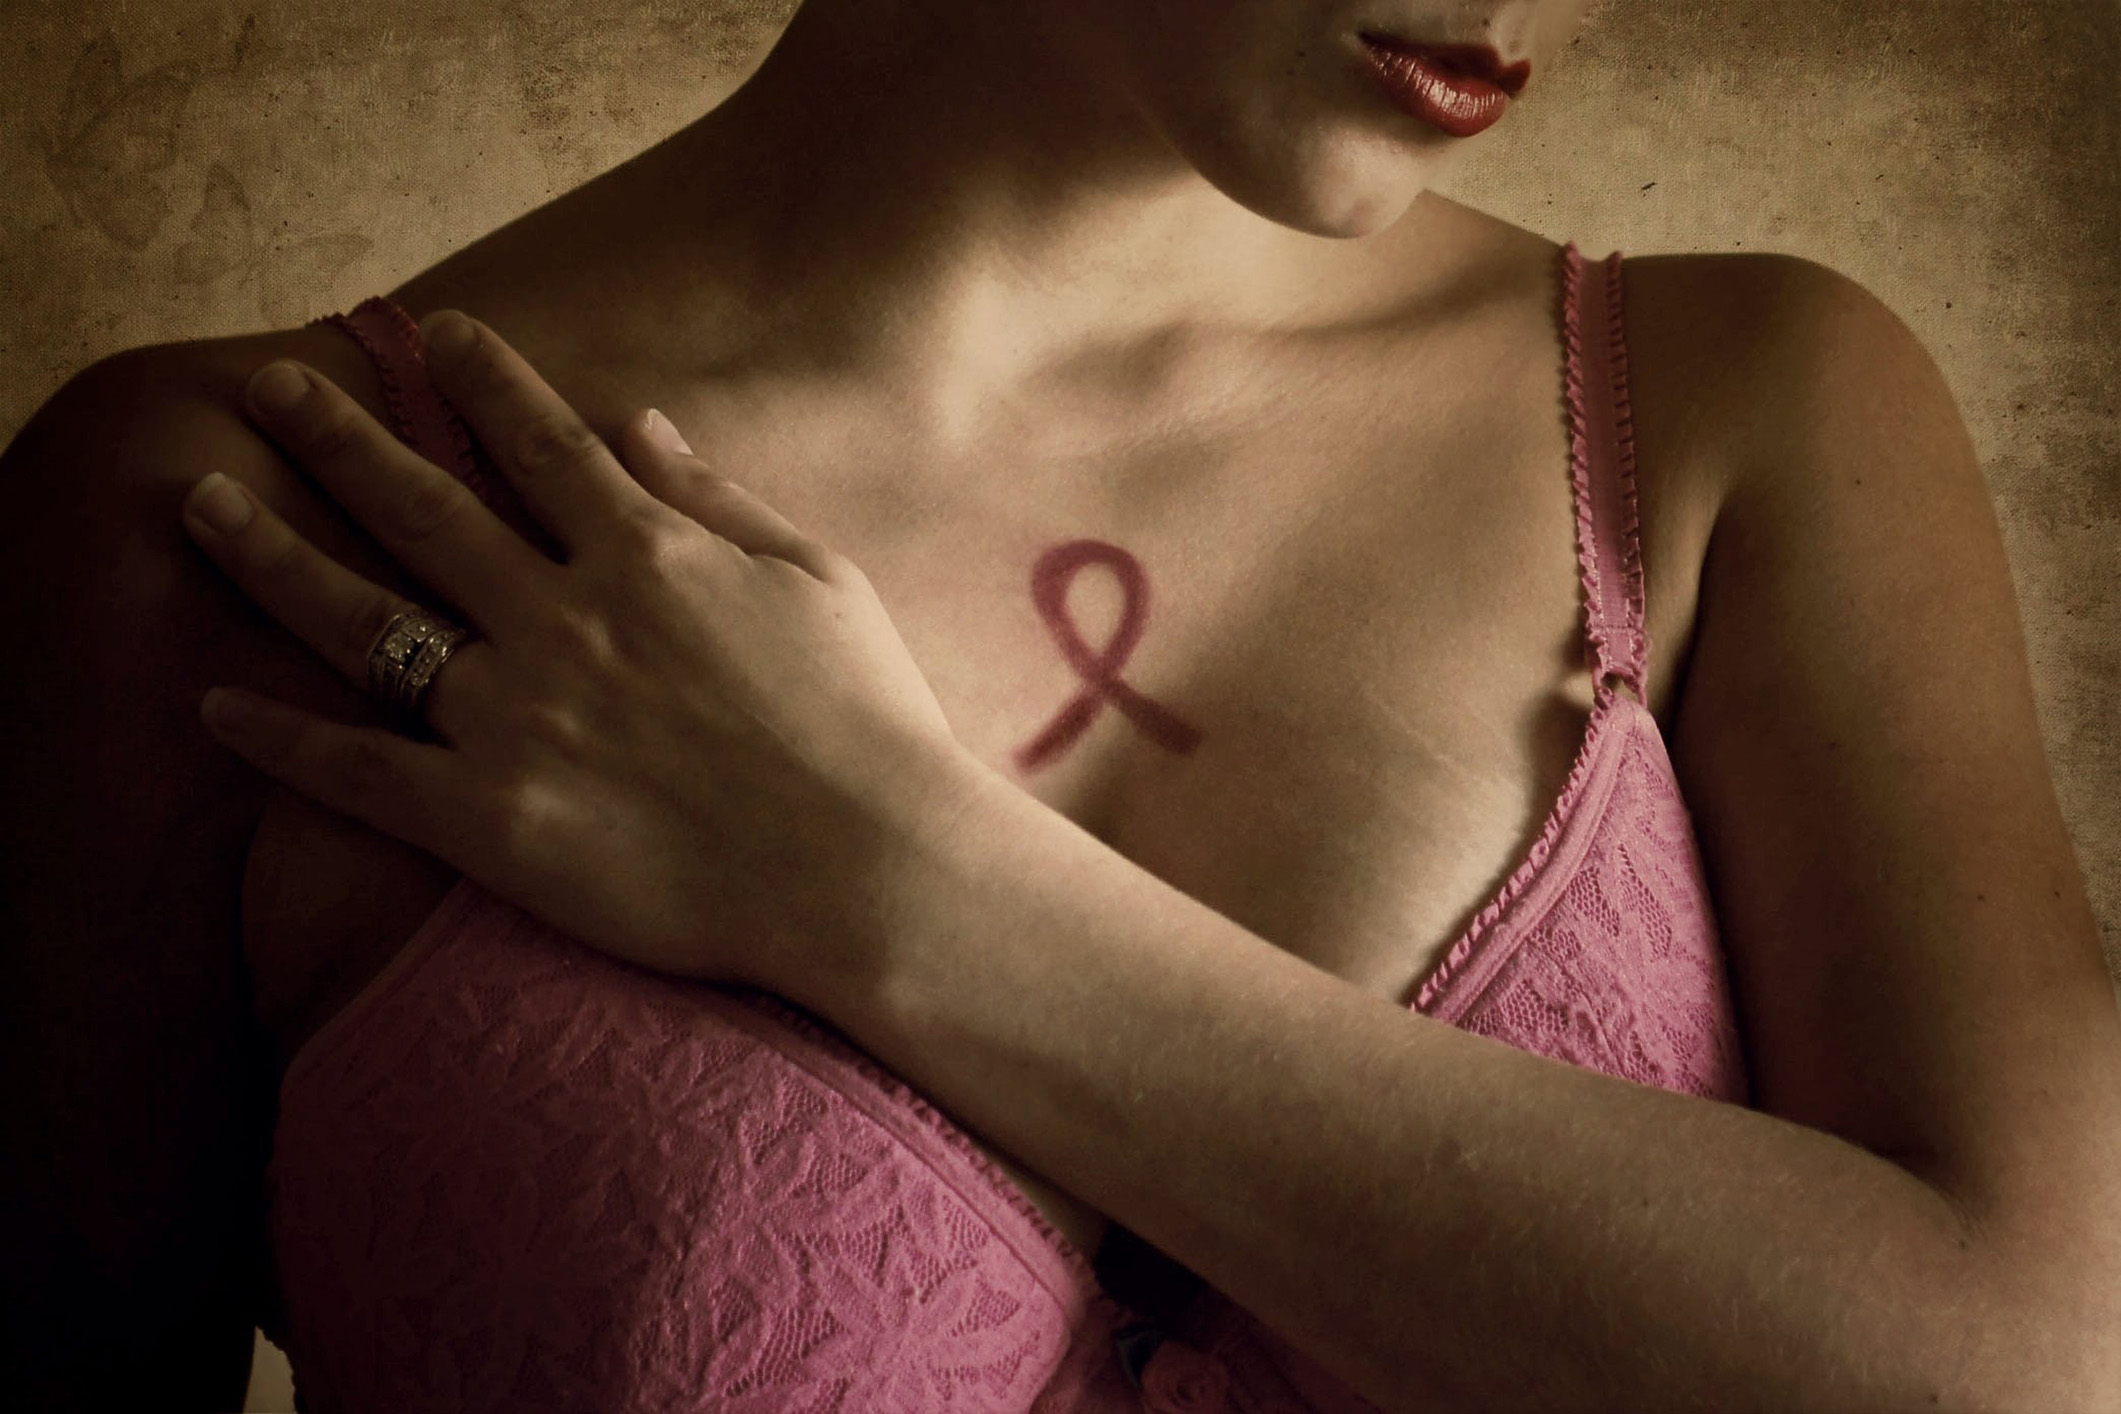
(1457, 89)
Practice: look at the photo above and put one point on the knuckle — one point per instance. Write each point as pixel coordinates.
(551, 443)
(472, 367)
(835, 568)
(651, 541)
(428, 508)
(332, 431)
(553, 726)
(699, 482)
(522, 816)
(581, 637)
(819, 563)
(281, 559)
(709, 484)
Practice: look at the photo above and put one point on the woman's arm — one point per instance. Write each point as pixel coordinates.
(134, 1113)
(1924, 1212)
(136, 1093)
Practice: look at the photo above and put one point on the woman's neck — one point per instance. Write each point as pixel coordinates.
(933, 199)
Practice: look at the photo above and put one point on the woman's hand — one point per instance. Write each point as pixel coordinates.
(699, 744)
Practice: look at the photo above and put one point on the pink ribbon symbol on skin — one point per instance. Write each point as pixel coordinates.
(1100, 672)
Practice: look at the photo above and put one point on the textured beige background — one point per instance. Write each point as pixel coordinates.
(198, 167)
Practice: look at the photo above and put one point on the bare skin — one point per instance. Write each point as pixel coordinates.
(1348, 501)
(1344, 750)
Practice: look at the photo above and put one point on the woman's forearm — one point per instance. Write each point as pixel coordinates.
(1426, 1212)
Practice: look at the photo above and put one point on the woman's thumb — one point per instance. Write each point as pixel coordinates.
(720, 505)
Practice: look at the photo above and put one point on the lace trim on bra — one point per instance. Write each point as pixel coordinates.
(1637, 625)
(1461, 953)
(402, 366)
(1621, 647)
(423, 418)
(1604, 695)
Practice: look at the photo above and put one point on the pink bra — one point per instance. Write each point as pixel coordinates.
(517, 1174)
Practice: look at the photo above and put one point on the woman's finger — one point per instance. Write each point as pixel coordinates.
(329, 607)
(428, 520)
(670, 471)
(419, 793)
(557, 463)
(319, 600)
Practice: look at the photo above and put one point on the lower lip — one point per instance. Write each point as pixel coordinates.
(1450, 103)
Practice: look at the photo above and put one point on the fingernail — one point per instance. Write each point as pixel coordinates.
(219, 503)
(447, 333)
(667, 431)
(277, 387)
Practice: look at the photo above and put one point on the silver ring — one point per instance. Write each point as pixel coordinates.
(403, 660)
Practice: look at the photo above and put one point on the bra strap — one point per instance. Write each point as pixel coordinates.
(1608, 530)
(423, 418)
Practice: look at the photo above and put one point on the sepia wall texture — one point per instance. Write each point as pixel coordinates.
(195, 168)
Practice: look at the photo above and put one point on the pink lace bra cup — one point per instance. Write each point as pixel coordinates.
(517, 1174)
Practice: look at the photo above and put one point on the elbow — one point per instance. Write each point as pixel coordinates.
(2035, 1345)
(2072, 1371)
(2080, 1368)
(2019, 1309)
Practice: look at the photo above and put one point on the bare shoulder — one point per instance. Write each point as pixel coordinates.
(121, 411)
(1911, 942)
(144, 1132)
(125, 438)
(1737, 336)
(110, 457)
(1732, 360)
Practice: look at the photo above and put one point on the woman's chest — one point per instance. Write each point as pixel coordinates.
(1318, 661)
